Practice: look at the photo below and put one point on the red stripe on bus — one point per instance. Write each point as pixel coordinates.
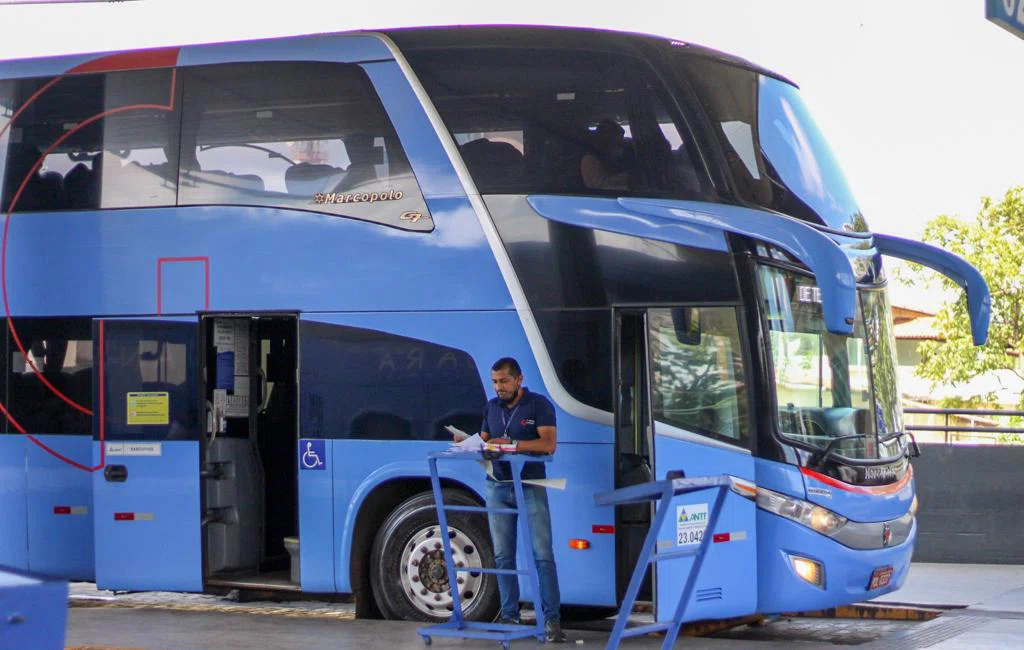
(124, 516)
(601, 529)
(875, 490)
(62, 510)
(162, 58)
(720, 537)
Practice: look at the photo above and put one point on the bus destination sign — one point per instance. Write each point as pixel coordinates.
(1008, 14)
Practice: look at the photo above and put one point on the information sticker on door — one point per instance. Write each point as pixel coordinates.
(149, 408)
(691, 521)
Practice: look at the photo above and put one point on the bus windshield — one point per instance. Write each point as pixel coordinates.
(828, 385)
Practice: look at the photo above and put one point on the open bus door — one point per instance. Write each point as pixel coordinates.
(147, 433)
(681, 411)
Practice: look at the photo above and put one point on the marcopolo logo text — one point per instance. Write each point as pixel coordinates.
(357, 197)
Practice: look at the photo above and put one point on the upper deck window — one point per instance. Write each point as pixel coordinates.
(562, 121)
(89, 141)
(310, 136)
(776, 155)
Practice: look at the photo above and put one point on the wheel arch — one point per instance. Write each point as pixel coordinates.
(370, 507)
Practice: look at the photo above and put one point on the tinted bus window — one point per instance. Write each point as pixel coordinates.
(370, 385)
(697, 376)
(776, 155)
(61, 351)
(562, 121)
(102, 152)
(580, 344)
(157, 358)
(8, 90)
(310, 136)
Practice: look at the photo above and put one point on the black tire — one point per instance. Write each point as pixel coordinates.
(409, 534)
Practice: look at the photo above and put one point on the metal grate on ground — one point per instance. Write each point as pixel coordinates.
(928, 634)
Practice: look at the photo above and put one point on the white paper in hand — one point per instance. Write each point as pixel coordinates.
(472, 443)
(458, 434)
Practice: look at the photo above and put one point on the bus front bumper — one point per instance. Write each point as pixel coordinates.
(847, 573)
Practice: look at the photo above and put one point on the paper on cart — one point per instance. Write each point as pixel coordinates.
(470, 443)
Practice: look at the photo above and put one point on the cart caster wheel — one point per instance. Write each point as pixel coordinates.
(427, 640)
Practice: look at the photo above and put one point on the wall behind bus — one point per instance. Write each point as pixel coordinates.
(971, 509)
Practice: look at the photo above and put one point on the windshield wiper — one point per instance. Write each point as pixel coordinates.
(913, 442)
(820, 457)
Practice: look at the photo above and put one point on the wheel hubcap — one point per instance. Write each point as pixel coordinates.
(425, 576)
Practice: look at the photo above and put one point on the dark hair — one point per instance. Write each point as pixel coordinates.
(510, 364)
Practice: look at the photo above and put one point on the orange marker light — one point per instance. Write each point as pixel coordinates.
(579, 544)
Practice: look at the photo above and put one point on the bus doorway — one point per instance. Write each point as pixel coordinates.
(249, 473)
(633, 437)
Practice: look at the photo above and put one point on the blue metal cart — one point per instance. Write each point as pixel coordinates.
(458, 626)
(663, 492)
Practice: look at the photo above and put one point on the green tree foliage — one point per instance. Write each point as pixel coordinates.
(994, 243)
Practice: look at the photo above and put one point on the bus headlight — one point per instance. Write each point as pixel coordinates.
(814, 517)
(913, 507)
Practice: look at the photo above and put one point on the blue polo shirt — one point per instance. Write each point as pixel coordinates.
(518, 423)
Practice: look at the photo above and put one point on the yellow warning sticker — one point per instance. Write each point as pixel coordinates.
(149, 408)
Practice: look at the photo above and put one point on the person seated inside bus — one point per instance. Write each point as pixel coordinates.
(214, 185)
(306, 179)
(495, 165)
(44, 190)
(81, 186)
(605, 166)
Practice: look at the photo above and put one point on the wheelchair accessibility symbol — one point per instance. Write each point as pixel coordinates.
(313, 454)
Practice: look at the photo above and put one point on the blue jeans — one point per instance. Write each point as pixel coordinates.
(503, 535)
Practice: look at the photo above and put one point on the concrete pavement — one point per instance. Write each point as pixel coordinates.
(984, 609)
(986, 601)
(979, 586)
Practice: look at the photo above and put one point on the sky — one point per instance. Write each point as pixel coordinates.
(921, 100)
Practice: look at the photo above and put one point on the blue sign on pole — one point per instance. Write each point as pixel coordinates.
(1008, 14)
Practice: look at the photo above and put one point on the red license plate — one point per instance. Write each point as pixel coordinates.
(880, 577)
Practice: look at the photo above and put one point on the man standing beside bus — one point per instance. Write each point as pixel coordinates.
(527, 420)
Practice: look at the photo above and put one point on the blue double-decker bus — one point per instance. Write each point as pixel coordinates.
(248, 285)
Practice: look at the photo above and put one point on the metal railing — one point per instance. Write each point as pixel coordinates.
(948, 428)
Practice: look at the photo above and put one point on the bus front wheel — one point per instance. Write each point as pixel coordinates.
(407, 566)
